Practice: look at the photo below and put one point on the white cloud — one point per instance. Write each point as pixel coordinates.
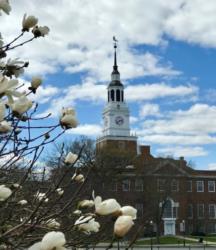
(194, 22)
(149, 109)
(194, 126)
(87, 129)
(80, 37)
(212, 166)
(44, 94)
(88, 90)
(198, 119)
(133, 119)
(179, 139)
(158, 90)
(183, 151)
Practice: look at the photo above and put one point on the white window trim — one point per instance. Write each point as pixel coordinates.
(139, 207)
(158, 185)
(114, 186)
(202, 186)
(208, 187)
(198, 216)
(191, 205)
(123, 186)
(214, 211)
(138, 189)
(177, 185)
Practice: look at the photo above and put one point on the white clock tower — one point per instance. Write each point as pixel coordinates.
(116, 126)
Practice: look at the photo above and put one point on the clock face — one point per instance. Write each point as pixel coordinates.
(119, 120)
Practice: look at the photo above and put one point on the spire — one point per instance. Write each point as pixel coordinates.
(115, 66)
(115, 76)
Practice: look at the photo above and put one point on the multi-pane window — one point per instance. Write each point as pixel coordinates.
(168, 212)
(139, 207)
(190, 228)
(161, 184)
(175, 212)
(211, 186)
(190, 211)
(139, 185)
(189, 186)
(212, 211)
(200, 210)
(174, 185)
(200, 186)
(113, 186)
(211, 227)
(126, 185)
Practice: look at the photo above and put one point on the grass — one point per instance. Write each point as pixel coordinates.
(165, 240)
(211, 238)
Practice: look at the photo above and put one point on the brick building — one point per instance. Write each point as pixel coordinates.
(170, 196)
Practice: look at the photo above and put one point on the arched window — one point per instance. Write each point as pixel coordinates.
(118, 95)
(168, 213)
(112, 95)
(122, 95)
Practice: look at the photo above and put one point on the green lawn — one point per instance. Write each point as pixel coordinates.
(211, 238)
(165, 240)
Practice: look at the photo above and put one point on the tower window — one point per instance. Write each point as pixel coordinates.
(118, 95)
(122, 96)
(108, 96)
(112, 95)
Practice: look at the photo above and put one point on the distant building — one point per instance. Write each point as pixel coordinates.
(186, 198)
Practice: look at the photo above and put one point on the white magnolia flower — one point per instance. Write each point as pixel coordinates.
(52, 223)
(5, 6)
(4, 192)
(78, 177)
(129, 210)
(86, 203)
(5, 127)
(77, 212)
(16, 185)
(14, 67)
(23, 202)
(2, 111)
(106, 207)
(1, 44)
(21, 105)
(52, 240)
(36, 82)
(87, 224)
(68, 118)
(60, 191)
(8, 88)
(122, 225)
(40, 31)
(28, 22)
(40, 196)
(70, 158)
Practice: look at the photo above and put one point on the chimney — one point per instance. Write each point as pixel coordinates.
(145, 151)
(182, 161)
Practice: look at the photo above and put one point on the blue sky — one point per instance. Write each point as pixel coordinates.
(166, 58)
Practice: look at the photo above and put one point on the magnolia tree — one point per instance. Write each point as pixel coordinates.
(36, 213)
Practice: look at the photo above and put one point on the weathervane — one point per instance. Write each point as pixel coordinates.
(115, 42)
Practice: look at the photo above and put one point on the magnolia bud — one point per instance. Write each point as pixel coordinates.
(28, 22)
